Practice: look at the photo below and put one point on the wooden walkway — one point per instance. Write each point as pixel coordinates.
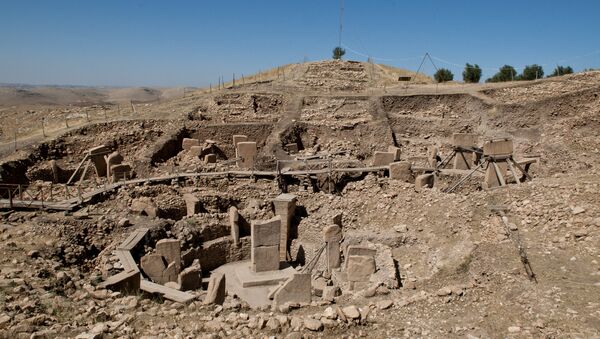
(69, 204)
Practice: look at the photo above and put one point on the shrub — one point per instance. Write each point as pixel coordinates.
(338, 53)
(561, 70)
(443, 75)
(506, 73)
(532, 72)
(472, 73)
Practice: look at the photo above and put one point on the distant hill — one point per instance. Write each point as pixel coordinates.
(18, 94)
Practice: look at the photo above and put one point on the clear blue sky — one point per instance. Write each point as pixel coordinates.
(192, 43)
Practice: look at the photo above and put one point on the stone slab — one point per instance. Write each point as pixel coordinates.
(126, 281)
(166, 292)
(266, 232)
(465, 140)
(188, 143)
(296, 289)
(401, 170)
(265, 258)
(424, 181)
(397, 152)
(498, 147)
(215, 293)
(171, 250)
(153, 265)
(360, 267)
(190, 278)
(247, 151)
(360, 250)
(196, 151)
(170, 273)
(248, 278)
(383, 158)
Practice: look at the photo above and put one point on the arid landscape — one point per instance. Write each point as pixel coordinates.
(323, 199)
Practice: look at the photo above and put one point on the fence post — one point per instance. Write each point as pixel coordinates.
(66, 121)
(87, 115)
(43, 127)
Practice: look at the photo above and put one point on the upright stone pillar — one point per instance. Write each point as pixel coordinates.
(498, 152)
(432, 156)
(247, 152)
(236, 140)
(96, 154)
(285, 206)
(463, 159)
(192, 204)
(264, 255)
(332, 235)
(115, 158)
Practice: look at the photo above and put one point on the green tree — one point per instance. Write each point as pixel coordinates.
(561, 70)
(472, 73)
(443, 75)
(506, 73)
(532, 72)
(338, 53)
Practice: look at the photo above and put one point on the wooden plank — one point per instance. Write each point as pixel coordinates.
(499, 174)
(133, 239)
(526, 161)
(77, 169)
(128, 281)
(514, 173)
(127, 260)
(166, 292)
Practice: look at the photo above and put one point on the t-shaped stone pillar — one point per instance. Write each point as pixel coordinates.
(463, 158)
(112, 159)
(236, 140)
(247, 152)
(264, 254)
(285, 205)
(332, 235)
(96, 154)
(192, 203)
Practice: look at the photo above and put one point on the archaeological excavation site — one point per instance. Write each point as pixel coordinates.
(326, 200)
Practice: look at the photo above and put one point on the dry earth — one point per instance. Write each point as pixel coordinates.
(459, 267)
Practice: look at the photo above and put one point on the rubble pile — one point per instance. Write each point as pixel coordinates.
(335, 76)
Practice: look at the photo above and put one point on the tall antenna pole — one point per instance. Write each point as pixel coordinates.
(341, 21)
